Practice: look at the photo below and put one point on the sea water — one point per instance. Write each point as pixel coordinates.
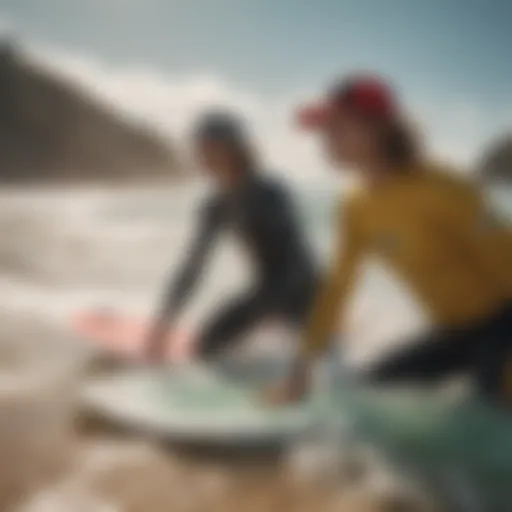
(63, 249)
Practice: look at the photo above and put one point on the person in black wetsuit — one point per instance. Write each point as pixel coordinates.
(261, 213)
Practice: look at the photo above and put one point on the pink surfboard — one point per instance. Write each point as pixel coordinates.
(125, 335)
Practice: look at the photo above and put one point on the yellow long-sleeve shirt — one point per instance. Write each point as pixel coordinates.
(433, 230)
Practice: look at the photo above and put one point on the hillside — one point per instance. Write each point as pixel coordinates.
(52, 130)
(496, 162)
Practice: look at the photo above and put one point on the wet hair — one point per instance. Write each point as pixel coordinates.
(400, 143)
(227, 129)
(220, 125)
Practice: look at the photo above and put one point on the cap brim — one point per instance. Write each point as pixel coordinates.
(312, 116)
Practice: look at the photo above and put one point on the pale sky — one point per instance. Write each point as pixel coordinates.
(165, 59)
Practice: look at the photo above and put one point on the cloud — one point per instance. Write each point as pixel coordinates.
(457, 129)
(171, 103)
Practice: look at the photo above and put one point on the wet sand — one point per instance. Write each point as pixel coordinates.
(56, 458)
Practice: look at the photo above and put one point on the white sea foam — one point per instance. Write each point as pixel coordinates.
(62, 249)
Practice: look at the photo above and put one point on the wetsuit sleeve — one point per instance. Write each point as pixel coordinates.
(330, 303)
(183, 283)
(464, 215)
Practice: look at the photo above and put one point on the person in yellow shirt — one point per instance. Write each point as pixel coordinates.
(431, 227)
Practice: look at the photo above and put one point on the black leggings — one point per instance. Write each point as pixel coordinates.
(239, 315)
(482, 350)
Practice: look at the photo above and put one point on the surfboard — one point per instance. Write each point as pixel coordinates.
(124, 335)
(217, 406)
(434, 436)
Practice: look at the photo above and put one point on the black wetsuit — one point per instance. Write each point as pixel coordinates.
(484, 349)
(262, 216)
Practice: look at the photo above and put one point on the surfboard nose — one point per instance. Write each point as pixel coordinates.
(125, 335)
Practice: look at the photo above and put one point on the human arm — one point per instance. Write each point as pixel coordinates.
(329, 307)
(185, 280)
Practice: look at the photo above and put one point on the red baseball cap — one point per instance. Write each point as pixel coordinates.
(366, 95)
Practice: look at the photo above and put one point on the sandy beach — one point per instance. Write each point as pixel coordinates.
(61, 251)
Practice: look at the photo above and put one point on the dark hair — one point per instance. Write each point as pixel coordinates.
(221, 125)
(400, 143)
(228, 129)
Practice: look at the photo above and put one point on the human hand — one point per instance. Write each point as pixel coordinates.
(288, 391)
(155, 347)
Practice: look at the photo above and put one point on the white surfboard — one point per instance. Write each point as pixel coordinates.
(195, 404)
